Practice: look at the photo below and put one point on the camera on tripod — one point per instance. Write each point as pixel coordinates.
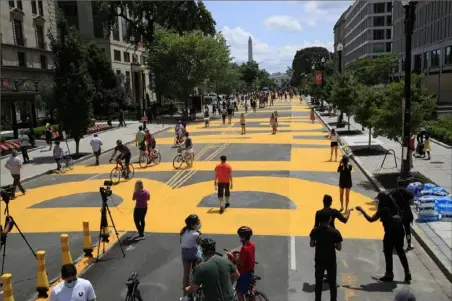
(132, 288)
(106, 191)
(6, 196)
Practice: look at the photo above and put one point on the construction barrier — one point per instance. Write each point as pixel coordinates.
(65, 252)
(7, 287)
(87, 244)
(42, 282)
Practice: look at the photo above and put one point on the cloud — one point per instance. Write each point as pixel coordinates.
(283, 22)
(322, 11)
(273, 59)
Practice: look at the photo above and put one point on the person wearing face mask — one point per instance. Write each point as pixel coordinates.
(72, 288)
(190, 238)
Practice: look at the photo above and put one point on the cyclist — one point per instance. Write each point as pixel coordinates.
(215, 274)
(179, 132)
(150, 141)
(245, 261)
(124, 154)
(190, 238)
(188, 147)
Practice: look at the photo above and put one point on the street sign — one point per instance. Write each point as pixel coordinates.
(318, 78)
(144, 118)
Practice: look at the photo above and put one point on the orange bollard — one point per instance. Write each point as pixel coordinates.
(7, 287)
(42, 282)
(87, 244)
(65, 252)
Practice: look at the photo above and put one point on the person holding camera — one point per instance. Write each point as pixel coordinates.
(141, 197)
(72, 288)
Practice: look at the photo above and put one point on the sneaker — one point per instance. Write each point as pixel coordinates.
(227, 205)
(221, 210)
(386, 278)
(408, 278)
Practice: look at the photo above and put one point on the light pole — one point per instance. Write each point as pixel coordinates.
(410, 16)
(339, 49)
(322, 68)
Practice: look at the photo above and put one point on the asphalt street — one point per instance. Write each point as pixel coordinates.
(279, 182)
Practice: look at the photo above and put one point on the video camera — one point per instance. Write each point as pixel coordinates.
(6, 196)
(105, 192)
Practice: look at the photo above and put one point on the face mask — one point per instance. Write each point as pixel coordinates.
(197, 227)
(70, 284)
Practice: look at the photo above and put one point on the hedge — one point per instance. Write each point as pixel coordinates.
(441, 129)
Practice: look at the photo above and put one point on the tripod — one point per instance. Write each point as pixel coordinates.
(103, 237)
(10, 223)
(133, 293)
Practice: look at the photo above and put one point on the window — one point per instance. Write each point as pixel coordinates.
(435, 56)
(417, 63)
(34, 7)
(41, 8)
(21, 59)
(379, 8)
(128, 79)
(125, 36)
(118, 72)
(379, 21)
(126, 57)
(388, 20)
(43, 62)
(115, 30)
(388, 34)
(388, 46)
(11, 4)
(388, 7)
(142, 60)
(40, 37)
(448, 56)
(379, 34)
(19, 5)
(117, 55)
(425, 60)
(19, 33)
(378, 47)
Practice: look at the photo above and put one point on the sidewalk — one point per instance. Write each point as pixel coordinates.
(435, 237)
(42, 160)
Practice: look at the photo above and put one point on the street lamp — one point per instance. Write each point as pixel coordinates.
(339, 49)
(410, 17)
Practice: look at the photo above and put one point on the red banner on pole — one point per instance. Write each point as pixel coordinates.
(318, 77)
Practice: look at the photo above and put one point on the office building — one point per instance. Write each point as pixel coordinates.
(25, 58)
(431, 47)
(124, 57)
(281, 79)
(368, 29)
(339, 37)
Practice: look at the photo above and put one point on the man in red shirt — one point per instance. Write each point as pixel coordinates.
(223, 182)
(245, 262)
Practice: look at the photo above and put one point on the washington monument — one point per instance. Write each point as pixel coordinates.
(250, 50)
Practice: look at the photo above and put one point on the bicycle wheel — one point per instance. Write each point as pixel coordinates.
(157, 158)
(70, 163)
(177, 162)
(143, 161)
(131, 172)
(258, 296)
(115, 175)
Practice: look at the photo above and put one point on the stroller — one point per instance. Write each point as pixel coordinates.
(420, 150)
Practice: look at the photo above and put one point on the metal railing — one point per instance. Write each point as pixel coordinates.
(386, 154)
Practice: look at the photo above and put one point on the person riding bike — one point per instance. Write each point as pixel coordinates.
(215, 274)
(188, 147)
(150, 141)
(245, 262)
(179, 132)
(124, 154)
(190, 238)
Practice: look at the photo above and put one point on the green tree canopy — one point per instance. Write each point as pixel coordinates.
(303, 61)
(263, 78)
(374, 71)
(249, 71)
(344, 93)
(226, 80)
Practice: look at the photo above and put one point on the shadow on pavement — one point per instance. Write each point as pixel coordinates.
(377, 286)
(374, 150)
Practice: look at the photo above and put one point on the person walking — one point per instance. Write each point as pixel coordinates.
(122, 122)
(224, 113)
(427, 146)
(333, 144)
(312, 116)
(223, 182)
(243, 123)
(230, 113)
(58, 154)
(24, 145)
(389, 215)
(139, 139)
(326, 241)
(96, 144)
(14, 165)
(141, 197)
(345, 182)
(72, 288)
(273, 123)
(49, 135)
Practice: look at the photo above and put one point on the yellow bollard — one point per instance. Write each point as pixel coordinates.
(87, 244)
(42, 282)
(65, 252)
(7, 287)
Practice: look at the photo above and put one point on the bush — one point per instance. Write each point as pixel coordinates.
(441, 129)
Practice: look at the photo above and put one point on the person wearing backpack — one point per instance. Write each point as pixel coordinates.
(389, 214)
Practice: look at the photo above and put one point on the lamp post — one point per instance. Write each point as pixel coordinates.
(410, 16)
(339, 49)
(322, 68)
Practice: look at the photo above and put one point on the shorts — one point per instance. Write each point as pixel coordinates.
(191, 254)
(97, 153)
(142, 146)
(244, 282)
(125, 157)
(223, 189)
(334, 144)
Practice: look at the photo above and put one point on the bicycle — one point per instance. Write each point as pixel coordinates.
(66, 163)
(120, 171)
(179, 159)
(146, 157)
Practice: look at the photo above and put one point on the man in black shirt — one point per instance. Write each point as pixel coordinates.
(403, 198)
(124, 154)
(333, 213)
(389, 214)
(326, 241)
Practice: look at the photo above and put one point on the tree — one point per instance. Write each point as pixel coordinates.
(263, 79)
(374, 71)
(388, 117)
(47, 95)
(182, 62)
(226, 80)
(343, 94)
(73, 86)
(249, 71)
(145, 17)
(303, 61)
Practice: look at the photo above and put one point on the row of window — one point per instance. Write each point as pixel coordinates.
(432, 59)
(380, 8)
(126, 57)
(22, 60)
(36, 6)
(18, 30)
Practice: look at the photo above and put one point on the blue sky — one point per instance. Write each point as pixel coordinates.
(278, 28)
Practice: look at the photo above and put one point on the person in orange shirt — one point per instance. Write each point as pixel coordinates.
(223, 182)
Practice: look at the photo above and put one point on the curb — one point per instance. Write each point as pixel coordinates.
(90, 156)
(440, 143)
(418, 233)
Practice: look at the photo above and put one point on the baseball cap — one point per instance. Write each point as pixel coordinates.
(405, 295)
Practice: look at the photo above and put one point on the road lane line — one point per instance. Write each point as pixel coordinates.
(180, 173)
(183, 179)
(293, 259)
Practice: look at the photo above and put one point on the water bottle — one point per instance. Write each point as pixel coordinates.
(429, 186)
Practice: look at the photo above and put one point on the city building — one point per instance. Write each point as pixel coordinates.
(339, 37)
(250, 50)
(280, 78)
(125, 59)
(25, 59)
(431, 47)
(368, 29)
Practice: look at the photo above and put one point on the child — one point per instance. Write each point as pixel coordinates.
(58, 154)
(427, 146)
(245, 262)
(242, 123)
(312, 117)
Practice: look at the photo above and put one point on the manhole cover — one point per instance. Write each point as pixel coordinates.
(436, 162)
